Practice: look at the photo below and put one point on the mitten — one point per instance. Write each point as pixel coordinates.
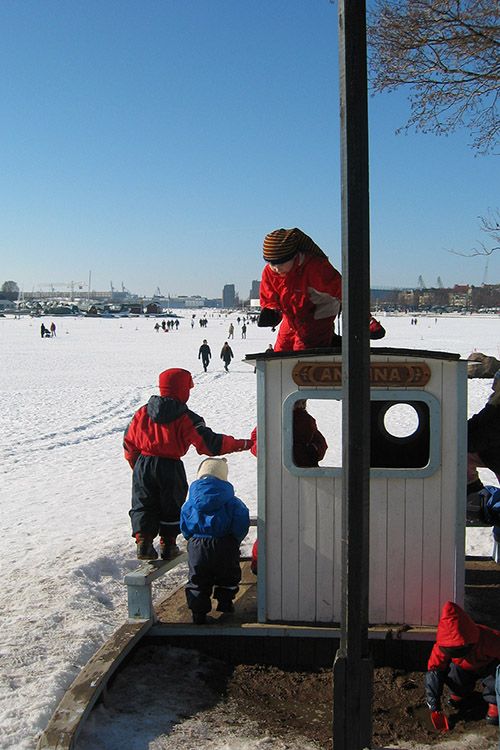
(269, 318)
(377, 331)
(325, 306)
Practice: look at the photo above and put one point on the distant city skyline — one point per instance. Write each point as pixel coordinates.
(163, 141)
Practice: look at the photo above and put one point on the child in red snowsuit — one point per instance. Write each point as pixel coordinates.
(464, 652)
(300, 288)
(302, 291)
(160, 433)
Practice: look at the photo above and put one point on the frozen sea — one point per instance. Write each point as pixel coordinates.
(65, 493)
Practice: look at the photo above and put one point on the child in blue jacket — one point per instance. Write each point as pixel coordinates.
(214, 521)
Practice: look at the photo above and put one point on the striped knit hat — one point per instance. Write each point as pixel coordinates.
(282, 245)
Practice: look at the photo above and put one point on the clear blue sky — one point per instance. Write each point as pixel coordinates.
(155, 143)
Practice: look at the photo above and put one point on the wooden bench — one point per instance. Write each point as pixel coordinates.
(139, 593)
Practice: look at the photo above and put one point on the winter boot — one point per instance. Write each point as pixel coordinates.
(492, 714)
(456, 701)
(475, 486)
(199, 618)
(168, 548)
(225, 607)
(145, 549)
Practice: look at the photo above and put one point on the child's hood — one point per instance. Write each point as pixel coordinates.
(209, 494)
(164, 409)
(455, 627)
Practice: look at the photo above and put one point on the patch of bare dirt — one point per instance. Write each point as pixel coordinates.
(302, 703)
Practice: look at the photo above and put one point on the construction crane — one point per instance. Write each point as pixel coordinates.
(485, 274)
(60, 285)
(421, 283)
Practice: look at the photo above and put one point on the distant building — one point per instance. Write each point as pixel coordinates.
(255, 291)
(229, 296)
(193, 302)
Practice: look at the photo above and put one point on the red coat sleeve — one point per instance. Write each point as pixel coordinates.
(195, 432)
(269, 297)
(130, 449)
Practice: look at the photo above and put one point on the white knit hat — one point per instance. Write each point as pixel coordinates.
(215, 467)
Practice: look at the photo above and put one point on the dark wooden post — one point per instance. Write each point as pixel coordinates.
(353, 670)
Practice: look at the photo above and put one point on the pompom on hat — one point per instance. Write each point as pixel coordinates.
(213, 467)
(282, 245)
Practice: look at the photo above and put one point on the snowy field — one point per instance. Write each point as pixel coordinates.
(65, 533)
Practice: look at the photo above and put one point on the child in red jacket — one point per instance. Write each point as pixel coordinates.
(160, 433)
(464, 652)
(300, 288)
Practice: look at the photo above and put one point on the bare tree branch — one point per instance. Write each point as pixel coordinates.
(489, 224)
(448, 53)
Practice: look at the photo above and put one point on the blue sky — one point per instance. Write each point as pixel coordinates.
(155, 143)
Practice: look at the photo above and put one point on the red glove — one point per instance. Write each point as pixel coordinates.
(244, 445)
(377, 331)
(440, 721)
(253, 438)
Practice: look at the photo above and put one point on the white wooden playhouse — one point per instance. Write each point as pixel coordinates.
(417, 488)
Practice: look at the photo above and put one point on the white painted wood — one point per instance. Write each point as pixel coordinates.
(414, 543)
(431, 554)
(308, 544)
(326, 534)
(395, 554)
(416, 534)
(337, 551)
(271, 454)
(378, 550)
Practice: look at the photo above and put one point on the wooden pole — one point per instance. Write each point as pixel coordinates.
(353, 669)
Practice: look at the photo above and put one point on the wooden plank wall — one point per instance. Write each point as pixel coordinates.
(416, 533)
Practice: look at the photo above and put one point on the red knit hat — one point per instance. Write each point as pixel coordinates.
(176, 383)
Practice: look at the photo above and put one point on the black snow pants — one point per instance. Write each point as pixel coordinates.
(462, 681)
(159, 488)
(214, 564)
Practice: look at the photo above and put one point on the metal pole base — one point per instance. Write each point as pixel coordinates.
(352, 700)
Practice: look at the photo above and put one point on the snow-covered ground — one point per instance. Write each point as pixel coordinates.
(65, 493)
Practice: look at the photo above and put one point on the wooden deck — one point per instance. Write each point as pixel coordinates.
(239, 638)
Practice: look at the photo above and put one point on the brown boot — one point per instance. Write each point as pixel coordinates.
(145, 549)
(168, 548)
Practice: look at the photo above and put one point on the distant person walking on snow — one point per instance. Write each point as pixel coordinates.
(43, 331)
(205, 354)
(215, 522)
(244, 331)
(230, 333)
(226, 354)
(53, 329)
(160, 433)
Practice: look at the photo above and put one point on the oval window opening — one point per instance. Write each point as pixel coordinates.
(401, 420)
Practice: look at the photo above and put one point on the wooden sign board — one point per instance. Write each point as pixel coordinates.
(382, 374)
